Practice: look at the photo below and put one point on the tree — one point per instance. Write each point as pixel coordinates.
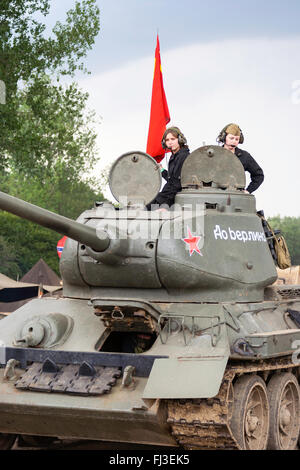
(26, 58)
(27, 53)
(8, 258)
(54, 138)
(290, 229)
(47, 137)
(23, 244)
(55, 132)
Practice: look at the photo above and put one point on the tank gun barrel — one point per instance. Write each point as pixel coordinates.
(72, 229)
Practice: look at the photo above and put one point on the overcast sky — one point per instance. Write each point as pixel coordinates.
(222, 61)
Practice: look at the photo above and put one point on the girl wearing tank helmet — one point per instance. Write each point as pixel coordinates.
(230, 137)
(174, 141)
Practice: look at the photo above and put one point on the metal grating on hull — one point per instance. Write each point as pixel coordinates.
(83, 379)
(288, 292)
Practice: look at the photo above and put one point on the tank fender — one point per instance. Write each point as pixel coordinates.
(195, 367)
(173, 378)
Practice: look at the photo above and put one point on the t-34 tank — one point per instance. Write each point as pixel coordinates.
(170, 330)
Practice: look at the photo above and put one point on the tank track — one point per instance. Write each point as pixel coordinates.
(204, 424)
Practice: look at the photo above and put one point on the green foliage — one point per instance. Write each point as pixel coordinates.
(39, 115)
(8, 258)
(53, 136)
(47, 137)
(290, 229)
(58, 194)
(26, 52)
(23, 243)
(26, 243)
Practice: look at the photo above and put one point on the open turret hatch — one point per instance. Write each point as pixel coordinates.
(213, 166)
(135, 179)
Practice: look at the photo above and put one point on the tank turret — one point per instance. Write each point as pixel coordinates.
(209, 246)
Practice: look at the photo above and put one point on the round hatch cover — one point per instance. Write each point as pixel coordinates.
(215, 165)
(135, 178)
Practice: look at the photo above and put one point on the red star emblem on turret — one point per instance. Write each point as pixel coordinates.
(192, 241)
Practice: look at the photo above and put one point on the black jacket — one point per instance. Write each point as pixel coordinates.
(250, 165)
(172, 176)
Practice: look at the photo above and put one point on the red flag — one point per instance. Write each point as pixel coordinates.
(159, 114)
(60, 246)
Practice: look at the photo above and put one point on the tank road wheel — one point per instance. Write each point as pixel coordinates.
(7, 441)
(250, 414)
(284, 399)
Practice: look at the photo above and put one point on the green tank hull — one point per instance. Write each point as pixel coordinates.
(170, 330)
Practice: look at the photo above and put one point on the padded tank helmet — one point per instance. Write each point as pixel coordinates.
(177, 133)
(233, 129)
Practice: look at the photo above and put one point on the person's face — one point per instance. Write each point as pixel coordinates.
(172, 142)
(232, 141)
